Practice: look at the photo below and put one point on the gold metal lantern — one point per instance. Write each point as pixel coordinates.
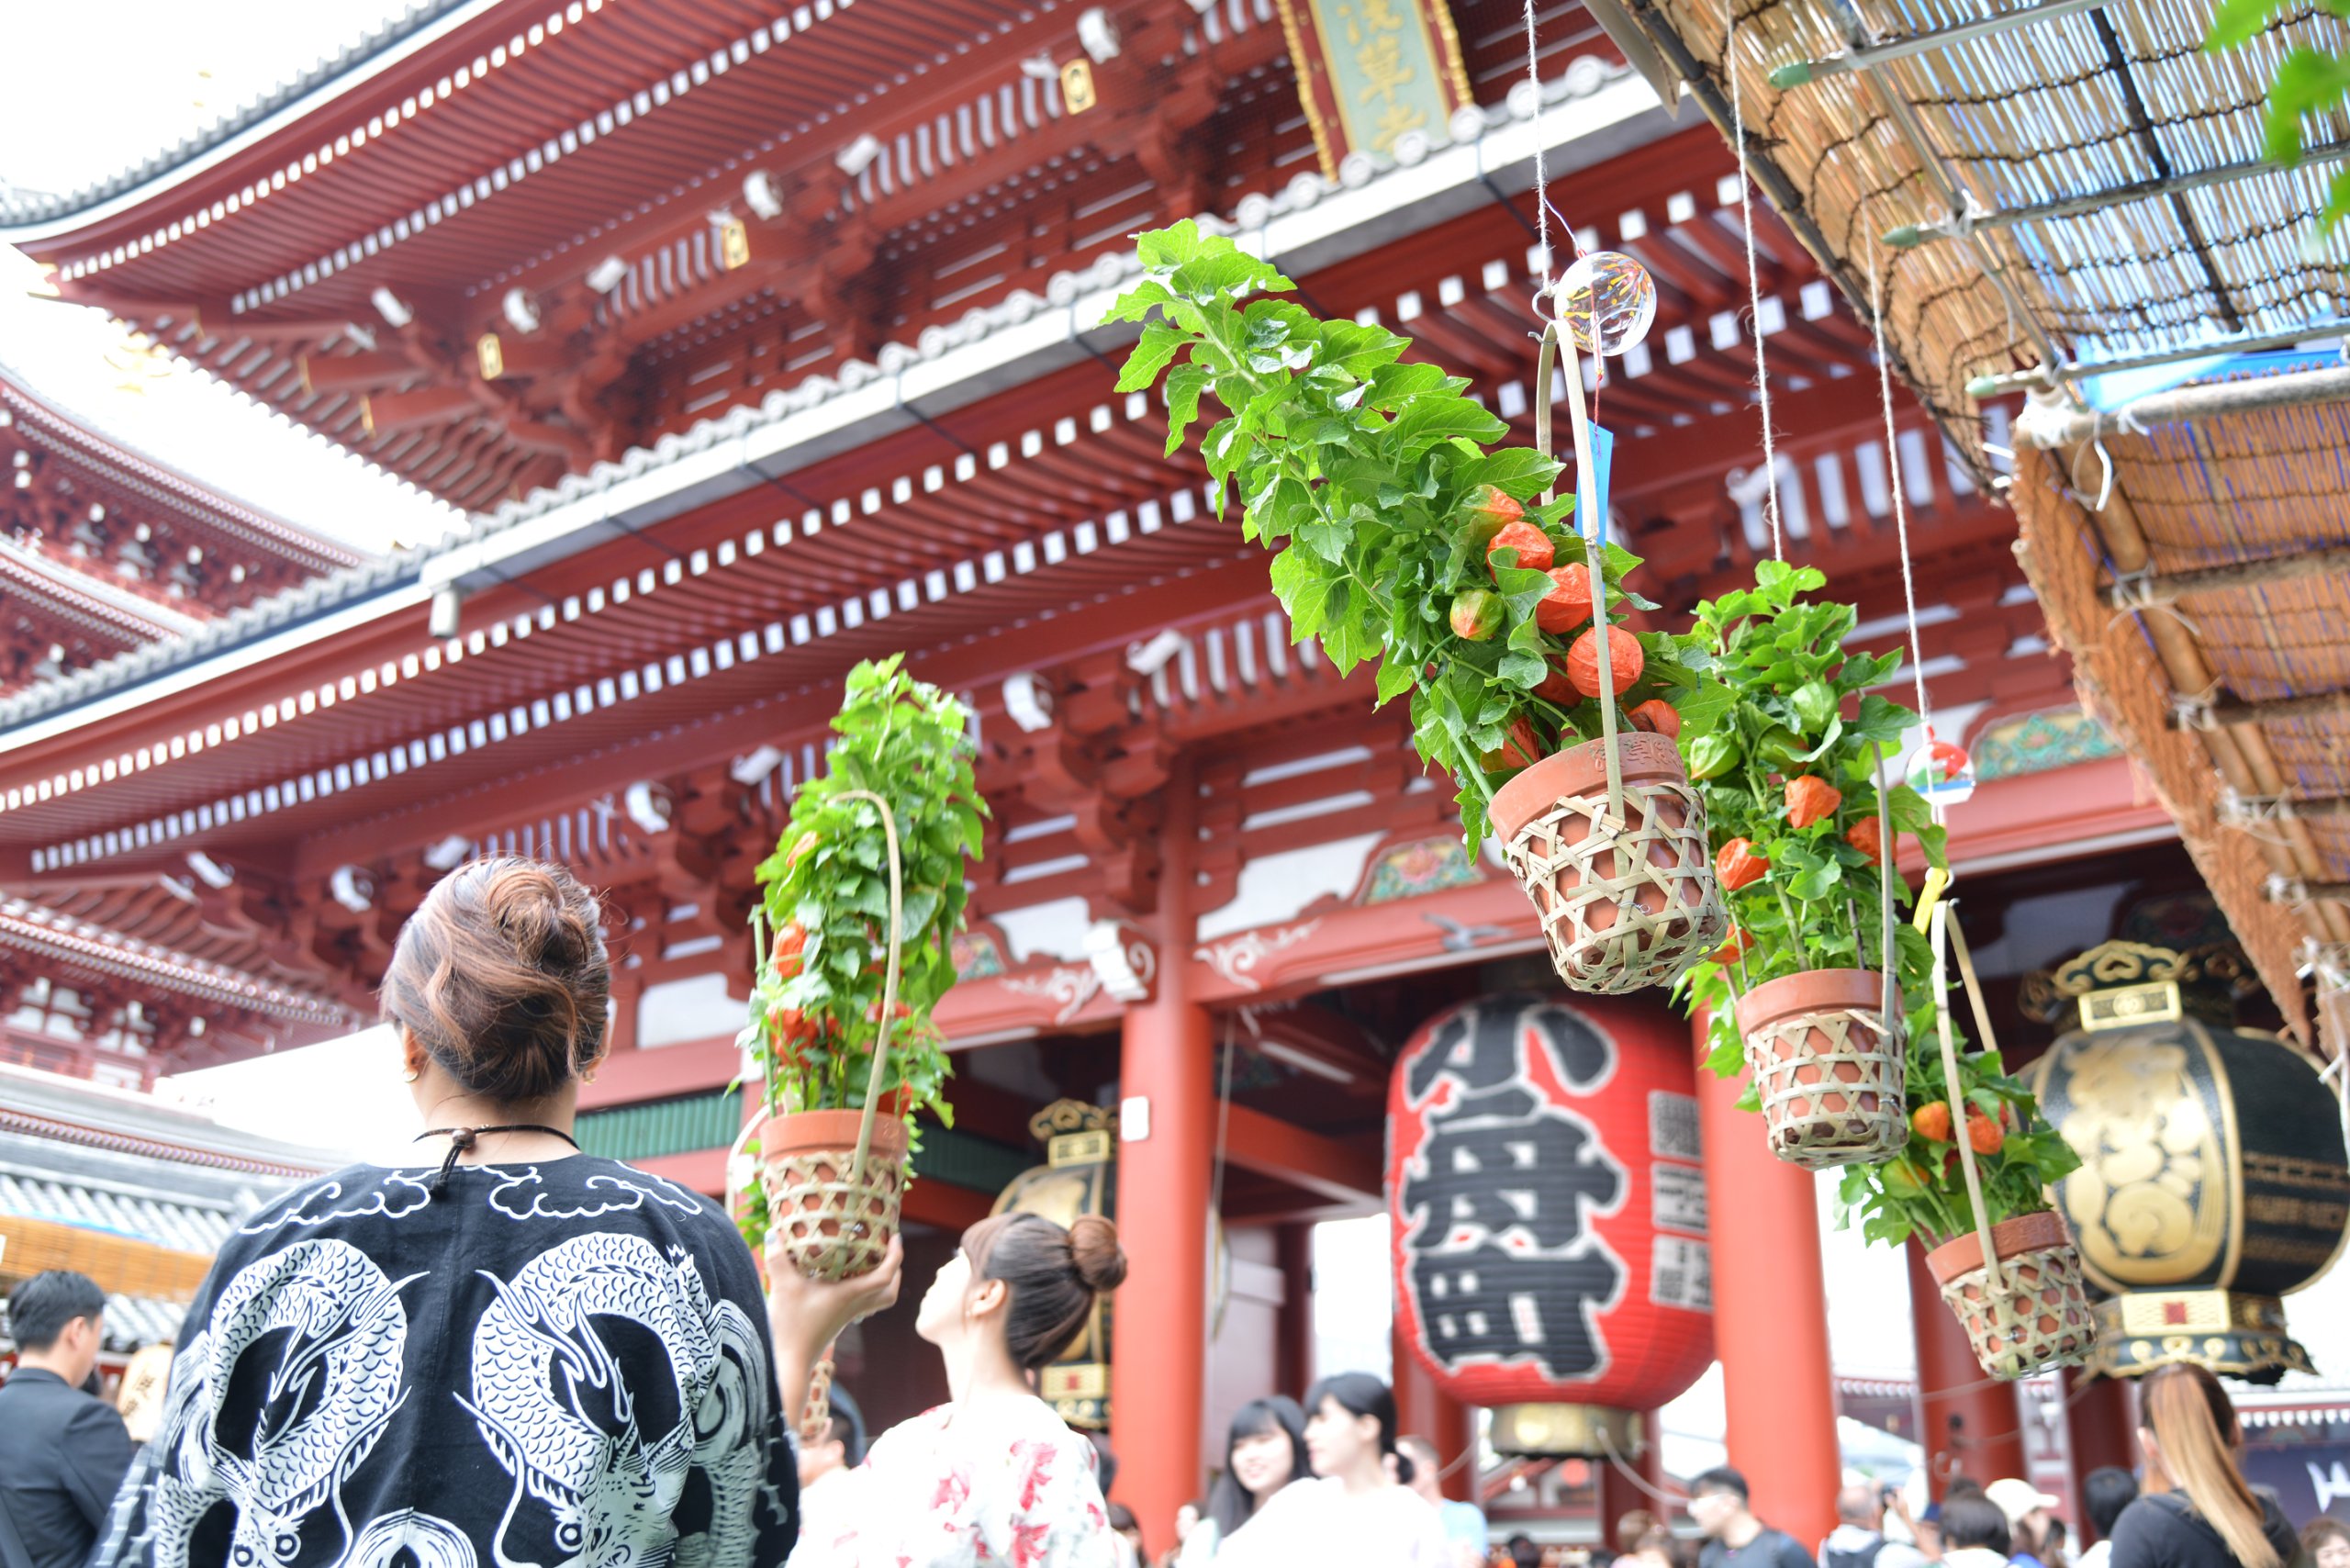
(2212, 1180)
(1079, 1177)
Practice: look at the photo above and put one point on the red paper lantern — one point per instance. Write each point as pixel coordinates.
(1548, 1197)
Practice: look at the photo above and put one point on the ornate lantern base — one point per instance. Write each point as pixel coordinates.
(1593, 1430)
(2227, 1331)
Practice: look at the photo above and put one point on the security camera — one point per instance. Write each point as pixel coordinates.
(858, 155)
(608, 275)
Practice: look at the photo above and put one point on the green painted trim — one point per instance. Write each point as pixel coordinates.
(691, 1122)
(656, 1127)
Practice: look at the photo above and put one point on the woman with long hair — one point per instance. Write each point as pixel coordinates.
(505, 1352)
(1359, 1509)
(993, 1475)
(2196, 1510)
(1264, 1450)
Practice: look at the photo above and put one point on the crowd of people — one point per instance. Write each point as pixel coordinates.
(505, 1352)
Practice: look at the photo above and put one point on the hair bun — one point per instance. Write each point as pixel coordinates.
(1093, 1248)
(532, 911)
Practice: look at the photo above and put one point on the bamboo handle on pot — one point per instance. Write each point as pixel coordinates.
(888, 978)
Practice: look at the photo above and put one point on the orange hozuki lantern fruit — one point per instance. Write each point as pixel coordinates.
(1659, 715)
(1811, 798)
(1625, 661)
(1535, 551)
(1582, 1297)
(1568, 604)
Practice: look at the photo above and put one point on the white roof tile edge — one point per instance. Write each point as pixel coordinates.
(1308, 211)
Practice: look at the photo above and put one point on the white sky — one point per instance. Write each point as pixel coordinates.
(77, 112)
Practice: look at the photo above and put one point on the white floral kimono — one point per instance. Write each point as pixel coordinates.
(1005, 1484)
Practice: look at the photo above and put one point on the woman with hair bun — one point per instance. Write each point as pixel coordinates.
(2196, 1510)
(505, 1352)
(993, 1475)
(1361, 1509)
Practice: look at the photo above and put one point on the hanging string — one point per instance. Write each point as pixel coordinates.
(1753, 282)
(1541, 180)
(1607, 1441)
(1893, 479)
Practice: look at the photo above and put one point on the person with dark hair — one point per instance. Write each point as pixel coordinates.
(1734, 1537)
(1264, 1450)
(1975, 1532)
(1357, 1511)
(506, 1352)
(993, 1475)
(1522, 1552)
(62, 1454)
(2033, 1530)
(2198, 1510)
(2105, 1492)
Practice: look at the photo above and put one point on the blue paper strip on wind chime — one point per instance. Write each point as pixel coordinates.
(1591, 490)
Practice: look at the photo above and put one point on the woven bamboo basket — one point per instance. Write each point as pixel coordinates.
(1626, 901)
(834, 1220)
(1829, 1058)
(2033, 1312)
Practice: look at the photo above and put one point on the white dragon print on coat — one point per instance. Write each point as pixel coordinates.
(541, 1372)
(556, 1366)
(335, 1385)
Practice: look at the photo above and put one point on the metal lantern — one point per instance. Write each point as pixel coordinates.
(1079, 1177)
(1548, 1196)
(2213, 1178)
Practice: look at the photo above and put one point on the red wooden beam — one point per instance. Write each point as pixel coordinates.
(1336, 1169)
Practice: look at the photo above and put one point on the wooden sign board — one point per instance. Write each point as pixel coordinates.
(1371, 71)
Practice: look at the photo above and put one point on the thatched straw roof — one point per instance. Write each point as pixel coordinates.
(2063, 187)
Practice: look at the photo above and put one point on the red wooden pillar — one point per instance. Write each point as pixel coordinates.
(1425, 1410)
(1166, 1151)
(1770, 1316)
(1293, 1327)
(2101, 1420)
(1968, 1423)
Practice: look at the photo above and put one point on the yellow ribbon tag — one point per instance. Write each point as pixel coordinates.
(1937, 882)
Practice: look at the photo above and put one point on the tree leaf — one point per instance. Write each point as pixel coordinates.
(1184, 384)
(1162, 341)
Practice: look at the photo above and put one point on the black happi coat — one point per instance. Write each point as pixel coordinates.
(558, 1365)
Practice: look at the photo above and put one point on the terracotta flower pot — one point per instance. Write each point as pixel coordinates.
(2038, 1317)
(1623, 904)
(1828, 1064)
(834, 1222)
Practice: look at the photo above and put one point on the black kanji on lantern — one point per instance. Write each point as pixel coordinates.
(1492, 1306)
(1503, 1266)
(1487, 1175)
(1483, 1048)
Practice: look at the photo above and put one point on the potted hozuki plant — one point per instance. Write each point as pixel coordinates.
(859, 904)
(1836, 1006)
(1403, 538)
(1806, 993)
(2027, 1309)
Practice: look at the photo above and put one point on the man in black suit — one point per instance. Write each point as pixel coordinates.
(61, 1452)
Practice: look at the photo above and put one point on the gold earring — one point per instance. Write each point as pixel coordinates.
(587, 1078)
